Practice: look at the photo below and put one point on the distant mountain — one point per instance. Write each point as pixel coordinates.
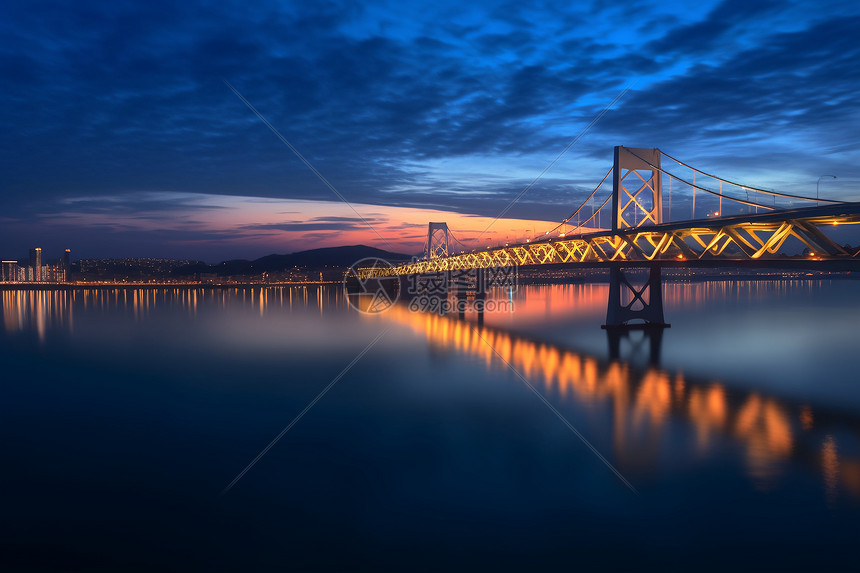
(337, 257)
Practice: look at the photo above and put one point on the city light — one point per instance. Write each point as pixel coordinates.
(35, 270)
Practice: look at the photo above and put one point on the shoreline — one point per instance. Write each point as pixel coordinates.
(598, 277)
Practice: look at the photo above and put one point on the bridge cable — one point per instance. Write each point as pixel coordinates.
(578, 209)
(765, 191)
(705, 189)
(453, 236)
(593, 215)
(578, 226)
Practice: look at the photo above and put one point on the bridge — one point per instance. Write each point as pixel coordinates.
(760, 235)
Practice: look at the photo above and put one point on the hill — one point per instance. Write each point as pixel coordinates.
(314, 259)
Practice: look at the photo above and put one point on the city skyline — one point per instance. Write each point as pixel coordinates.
(122, 131)
(36, 268)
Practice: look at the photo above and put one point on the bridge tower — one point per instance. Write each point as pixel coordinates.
(437, 241)
(637, 193)
(637, 200)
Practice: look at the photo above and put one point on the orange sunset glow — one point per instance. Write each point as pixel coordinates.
(285, 225)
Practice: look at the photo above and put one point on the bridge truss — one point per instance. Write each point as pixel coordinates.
(726, 240)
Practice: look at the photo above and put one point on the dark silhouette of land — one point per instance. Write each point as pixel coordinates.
(315, 260)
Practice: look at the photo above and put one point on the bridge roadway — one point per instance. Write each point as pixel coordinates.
(770, 239)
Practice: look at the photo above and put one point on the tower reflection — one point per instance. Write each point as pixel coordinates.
(635, 345)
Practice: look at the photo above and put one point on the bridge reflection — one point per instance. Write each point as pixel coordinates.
(647, 405)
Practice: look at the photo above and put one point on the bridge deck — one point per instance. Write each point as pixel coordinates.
(750, 240)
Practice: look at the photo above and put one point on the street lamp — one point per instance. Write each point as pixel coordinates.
(819, 183)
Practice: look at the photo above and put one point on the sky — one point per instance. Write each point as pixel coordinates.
(122, 137)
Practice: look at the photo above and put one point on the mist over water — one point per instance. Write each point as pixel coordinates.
(126, 412)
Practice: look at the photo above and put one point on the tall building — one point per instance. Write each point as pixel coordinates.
(36, 263)
(9, 271)
(67, 265)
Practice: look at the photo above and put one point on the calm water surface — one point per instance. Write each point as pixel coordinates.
(125, 413)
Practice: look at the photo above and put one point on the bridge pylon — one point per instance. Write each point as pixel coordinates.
(637, 193)
(437, 241)
(637, 200)
(628, 301)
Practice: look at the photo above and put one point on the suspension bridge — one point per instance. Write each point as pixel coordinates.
(743, 226)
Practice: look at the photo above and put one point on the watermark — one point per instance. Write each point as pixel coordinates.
(370, 285)
(479, 281)
(460, 305)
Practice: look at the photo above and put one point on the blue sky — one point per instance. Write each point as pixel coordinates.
(120, 133)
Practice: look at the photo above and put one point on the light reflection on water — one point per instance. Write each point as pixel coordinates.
(644, 402)
(40, 310)
(703, 411)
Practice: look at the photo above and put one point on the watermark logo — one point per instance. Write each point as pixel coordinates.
(370, 285)
(462, 290)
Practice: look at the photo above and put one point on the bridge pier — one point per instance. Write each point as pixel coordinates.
(650, 311)
(461, 290)
(480, 294)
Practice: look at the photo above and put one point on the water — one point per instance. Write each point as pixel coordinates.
(126, 412)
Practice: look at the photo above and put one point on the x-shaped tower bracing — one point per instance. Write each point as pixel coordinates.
(437, 241)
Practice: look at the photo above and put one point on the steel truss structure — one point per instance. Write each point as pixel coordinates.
(721, 240)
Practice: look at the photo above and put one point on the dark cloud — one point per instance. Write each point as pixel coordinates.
(701, 37)
(787, 101)
(318, 224)
(107, 99)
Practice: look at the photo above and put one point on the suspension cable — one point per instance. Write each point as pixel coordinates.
(694, 186)
(765, 191)
(593, 215)
(450, 232)
(578, 209)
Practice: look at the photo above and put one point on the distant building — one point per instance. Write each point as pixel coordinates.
(36, 263)
(9, 271)
(67, 265)
(53, 273)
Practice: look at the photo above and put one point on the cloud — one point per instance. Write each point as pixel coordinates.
(703, 36)
(437, 105)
